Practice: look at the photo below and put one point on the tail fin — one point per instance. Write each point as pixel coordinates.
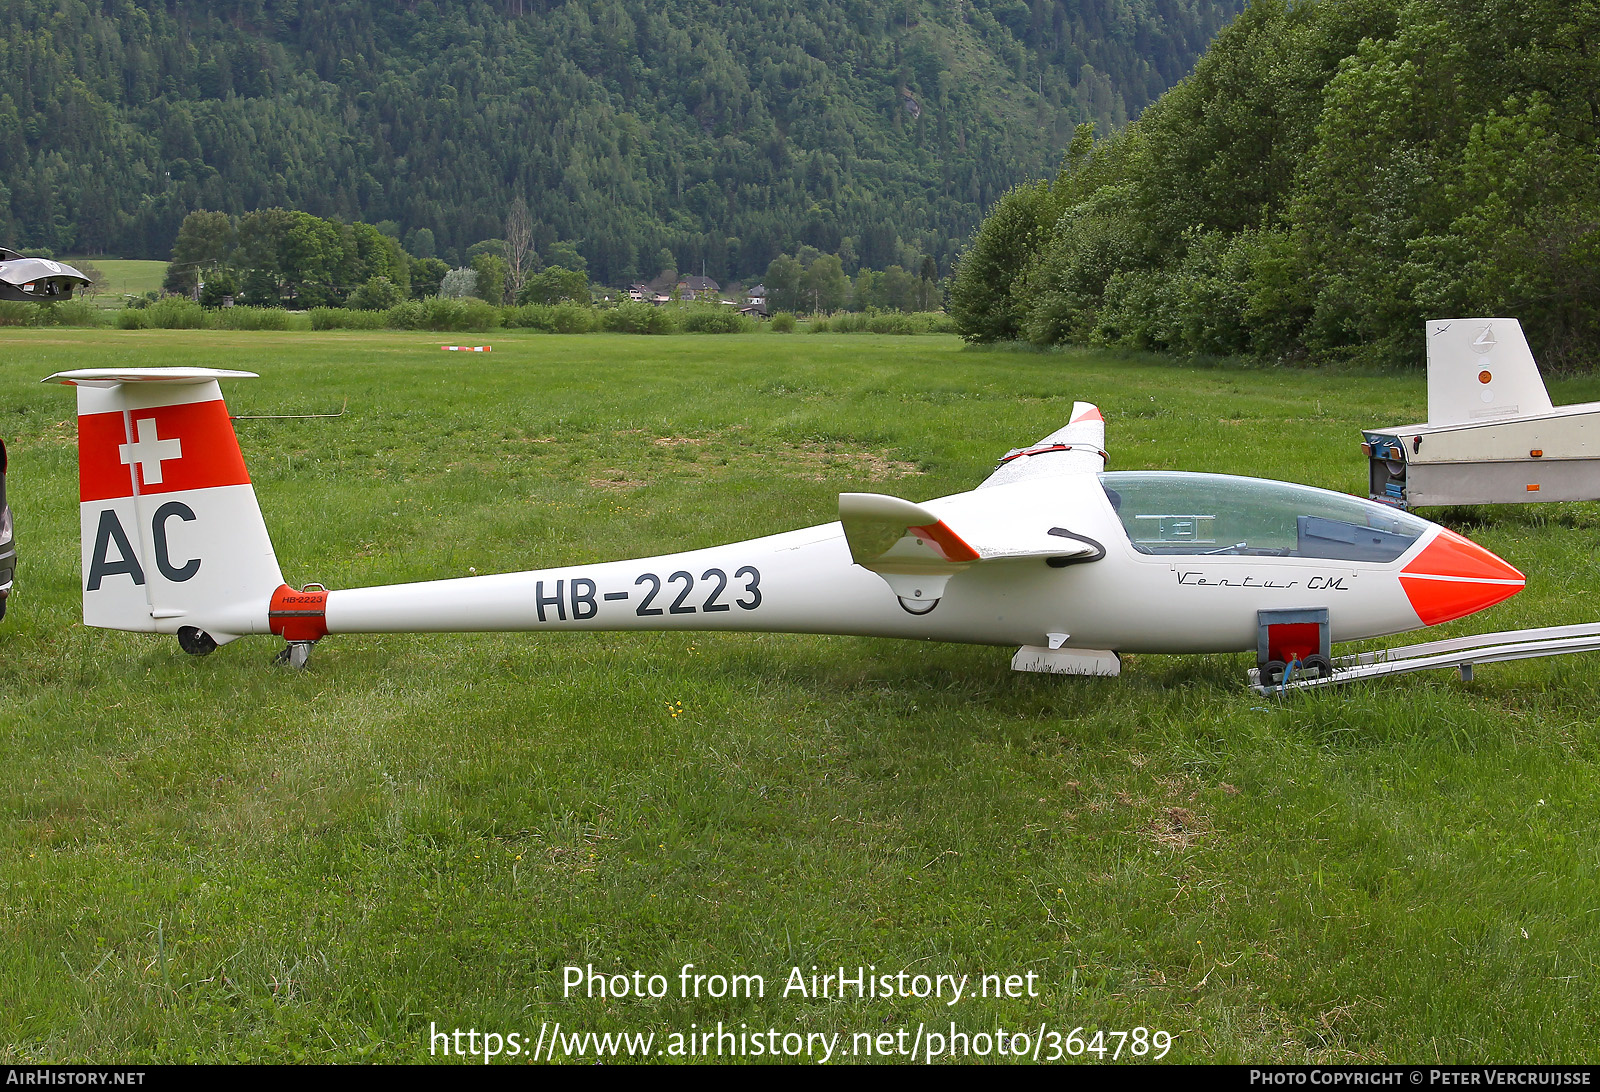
(1479, 370)
(172, 535)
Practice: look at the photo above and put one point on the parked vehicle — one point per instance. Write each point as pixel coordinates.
(37, 280)
(8, 545)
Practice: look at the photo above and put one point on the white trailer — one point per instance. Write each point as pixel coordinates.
(1492, 436)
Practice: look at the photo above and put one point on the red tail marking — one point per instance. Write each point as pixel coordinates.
(206, 453)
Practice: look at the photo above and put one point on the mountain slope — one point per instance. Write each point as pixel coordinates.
(724, 133)
(1331, 175)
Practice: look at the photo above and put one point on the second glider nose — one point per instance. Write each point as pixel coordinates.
(1454, 577)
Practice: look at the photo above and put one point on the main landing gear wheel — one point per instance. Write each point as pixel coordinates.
(196, 642)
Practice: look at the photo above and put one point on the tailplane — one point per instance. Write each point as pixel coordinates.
(172, 537)
(1480, 370)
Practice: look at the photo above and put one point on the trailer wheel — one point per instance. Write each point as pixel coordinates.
(1319, 663)
(1272, 672)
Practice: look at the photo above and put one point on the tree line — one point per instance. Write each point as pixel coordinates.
(816, 283)
(1330, 176)
(292, 259)
(726, 132)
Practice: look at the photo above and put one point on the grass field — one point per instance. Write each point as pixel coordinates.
(217, 859)
(123, 277)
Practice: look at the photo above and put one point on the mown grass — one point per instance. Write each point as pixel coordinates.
(218, 860)
(124, 277)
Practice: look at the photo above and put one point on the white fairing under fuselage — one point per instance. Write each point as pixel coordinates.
(1136, 598)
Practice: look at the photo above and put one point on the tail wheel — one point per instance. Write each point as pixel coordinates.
(196, 642)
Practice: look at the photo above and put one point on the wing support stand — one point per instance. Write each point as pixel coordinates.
(1058, 660)
(300, 618)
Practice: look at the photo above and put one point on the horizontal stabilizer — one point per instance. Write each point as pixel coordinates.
(111, 377)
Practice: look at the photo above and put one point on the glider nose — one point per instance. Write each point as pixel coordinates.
(1453, 577)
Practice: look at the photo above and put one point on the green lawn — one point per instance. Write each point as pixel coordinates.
(219, 860)
(123, 277)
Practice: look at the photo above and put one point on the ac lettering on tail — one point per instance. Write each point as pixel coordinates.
(158, 527)
(110, 533)
(101, 566)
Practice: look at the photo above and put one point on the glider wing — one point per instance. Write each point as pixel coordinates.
(917, 552)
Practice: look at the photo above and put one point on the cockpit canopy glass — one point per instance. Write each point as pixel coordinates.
(1177, 513)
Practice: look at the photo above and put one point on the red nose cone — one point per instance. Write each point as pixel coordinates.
(1453, 577)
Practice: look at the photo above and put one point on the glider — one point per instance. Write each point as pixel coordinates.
(1051, 553)
(37, 280)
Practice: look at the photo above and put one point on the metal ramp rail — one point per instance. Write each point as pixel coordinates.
(1461, 653)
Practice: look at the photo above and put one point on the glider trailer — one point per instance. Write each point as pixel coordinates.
(1492, 436)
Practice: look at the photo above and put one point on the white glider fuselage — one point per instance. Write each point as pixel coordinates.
(806, 582)
(1048, 553)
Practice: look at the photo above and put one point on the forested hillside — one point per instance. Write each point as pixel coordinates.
(1332, 174)
(725, 132)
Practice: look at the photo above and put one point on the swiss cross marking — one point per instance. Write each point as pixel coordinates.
(149, 453)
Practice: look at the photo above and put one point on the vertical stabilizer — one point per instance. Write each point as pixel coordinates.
(1481, 370)
(172, 536)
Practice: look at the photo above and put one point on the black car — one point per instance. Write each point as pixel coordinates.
(8, 545)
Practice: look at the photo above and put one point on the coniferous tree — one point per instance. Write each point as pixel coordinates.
(726, 135)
